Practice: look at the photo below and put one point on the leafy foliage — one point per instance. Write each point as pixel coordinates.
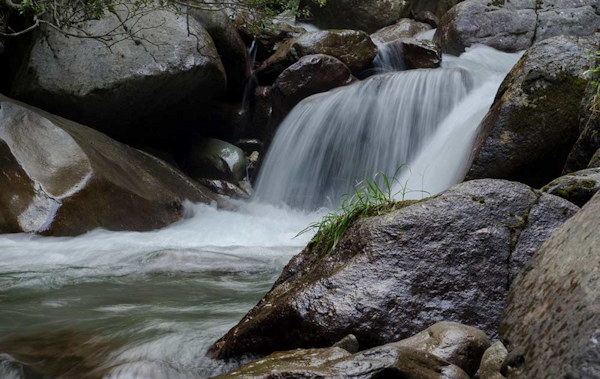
(69, 16)
(370, 197)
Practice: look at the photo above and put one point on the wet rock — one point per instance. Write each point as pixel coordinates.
(389, 361)
(514, 25)
(310, 75)
(492, 362)
(62, 178)
(225, 188)
(447, 258)
(428, 18)
(589, 125)
(348, 343)
(578, 187)
(550, 324)
(404, 28)
(419, 53)
(534, 121)
(595, 161)
(366, 15)
(458, 344)
(118, 90)
(230, 46)
(355, 49)
(210, 158)
(269, 39)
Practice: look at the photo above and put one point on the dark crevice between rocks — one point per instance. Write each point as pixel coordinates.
(515, 233)
(538, 7)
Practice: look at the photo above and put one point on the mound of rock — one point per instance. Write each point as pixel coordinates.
(118, 88)
(62, 178)
(355, 49)
(514, 25)
(404, 28)
(534, 121)
(550, 325)
(451, 257)
(443, 351)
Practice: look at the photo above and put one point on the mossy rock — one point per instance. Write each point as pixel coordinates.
(578, 187)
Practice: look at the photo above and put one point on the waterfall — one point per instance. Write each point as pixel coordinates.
(423, 118)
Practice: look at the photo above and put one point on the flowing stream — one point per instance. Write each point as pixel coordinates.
(128, 305)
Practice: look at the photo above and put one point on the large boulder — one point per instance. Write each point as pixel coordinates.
(578, 187)
(355, 49)
(514, 25)
(409, 53)
(310, 75)
(534, 120)
(550, 325)
(447, 258)
(366, 15)
(118, 88)
(230, 46)
(390, 361)
(404, 28)
(210, 158)
(61, 178)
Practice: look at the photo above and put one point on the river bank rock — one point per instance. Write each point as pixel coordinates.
(550, 324)
(491, 362)
(447, 258)
(117, 90)
(534, 120)
(514, 25)
(63, 179)
(355, 49)
(389, 361)
(417, 53)
(310, 75)
(365, 15)
(404, 28)
(578, 187)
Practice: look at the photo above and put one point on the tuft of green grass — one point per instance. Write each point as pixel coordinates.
(369, 197)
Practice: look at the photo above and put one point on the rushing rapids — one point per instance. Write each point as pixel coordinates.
(128, 305)
(331, 140)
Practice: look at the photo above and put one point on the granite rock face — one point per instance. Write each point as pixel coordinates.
(448, 258)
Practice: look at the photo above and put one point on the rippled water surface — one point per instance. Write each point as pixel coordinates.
(139, 305)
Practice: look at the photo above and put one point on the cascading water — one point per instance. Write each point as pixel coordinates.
(129, 305)
(331, 140)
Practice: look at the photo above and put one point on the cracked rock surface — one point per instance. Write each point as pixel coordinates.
(550, 325)
(513, 25)
(447, 258)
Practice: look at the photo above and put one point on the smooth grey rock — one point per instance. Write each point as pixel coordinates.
(388, 361)
(348, 343)
(550, 324)
(210, 158)
(117, 90)
(446, 258)
(355, 49)
(458, 344)
(514, 25)
(404, 28)
(578, 187)
(492, 362)
(62, 178)
(534, 121)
